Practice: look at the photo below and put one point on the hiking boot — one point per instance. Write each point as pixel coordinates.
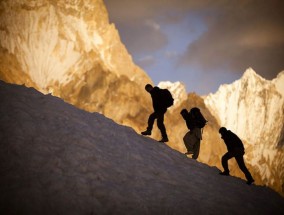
(224, 173)
(147, 132)
(250, 181)
(188, 153)
(164, 139)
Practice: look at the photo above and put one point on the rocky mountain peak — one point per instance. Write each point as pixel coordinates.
(280, 75)
(251, 79)
(177, 90)
(249, 73)
(53, 41)
(278, 81)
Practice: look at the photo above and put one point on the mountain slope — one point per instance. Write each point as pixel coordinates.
(57, 159)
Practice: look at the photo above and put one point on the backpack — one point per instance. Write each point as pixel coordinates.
(167, 97)
(199, 119)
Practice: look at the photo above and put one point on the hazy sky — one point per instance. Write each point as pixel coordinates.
(202, 43)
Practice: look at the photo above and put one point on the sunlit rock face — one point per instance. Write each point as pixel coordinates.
(69, 49)
(253, 108)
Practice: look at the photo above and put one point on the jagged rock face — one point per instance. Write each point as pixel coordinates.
(69, 49)
(253, 108)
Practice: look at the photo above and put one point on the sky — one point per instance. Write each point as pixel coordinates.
(201, 43)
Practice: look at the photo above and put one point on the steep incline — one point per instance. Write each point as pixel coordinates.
(57, 159)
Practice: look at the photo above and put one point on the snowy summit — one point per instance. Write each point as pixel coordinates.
(57, 159)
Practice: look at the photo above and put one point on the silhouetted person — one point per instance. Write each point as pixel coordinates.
(235, 149)
(193, 137)
(160, 109)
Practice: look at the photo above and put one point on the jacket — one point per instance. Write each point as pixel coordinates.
(190, 121)
(158, 103)
(232, 141)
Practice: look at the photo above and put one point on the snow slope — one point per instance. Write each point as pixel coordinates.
(57, 159)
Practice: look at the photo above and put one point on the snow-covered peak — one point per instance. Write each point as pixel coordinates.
(280, 75)
(251, 78)
(240, 104)
(249, 73)
(177, 90)
(279, 82)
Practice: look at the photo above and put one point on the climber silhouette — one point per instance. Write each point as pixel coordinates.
(160, 108)
(193, 137)
(235, 149)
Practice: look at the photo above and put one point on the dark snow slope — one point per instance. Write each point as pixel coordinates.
(57, 159)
